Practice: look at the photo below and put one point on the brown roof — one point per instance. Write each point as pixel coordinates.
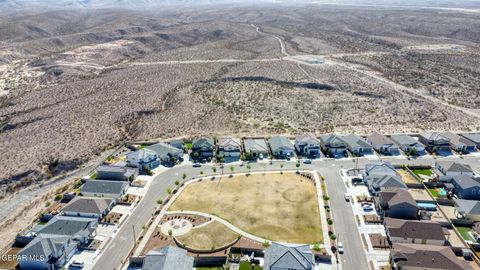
(427, 256)
(395, 196)
(414, 229)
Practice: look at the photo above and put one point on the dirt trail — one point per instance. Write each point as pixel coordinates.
(280, 41)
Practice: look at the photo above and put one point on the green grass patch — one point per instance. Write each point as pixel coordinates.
(418, 172)
(435, 193)
(248, 266)
(466, 233)
(209, 268)
(189, 145)
(93, 175)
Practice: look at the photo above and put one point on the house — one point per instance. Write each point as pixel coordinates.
(446, 170)
(358, 145)
(203, 148)
(229, 147)
(379, 176)
(474, 137)
(468, 209)
(308, 146)
(460, 143)
(116, 173)
(281, 147)
(396, 203)
(177, 144)
(144, 159)
(333, 146)
(256, 147)
(168, 258)
(168, 154)
(414, 257)
(382, 144)
(466, 187)
(435, 142)
(88, 207)
(408, 144)
(54, 243)
(415, 231)
(288, 256)
(104, 189)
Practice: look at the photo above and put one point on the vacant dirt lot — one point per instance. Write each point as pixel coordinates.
(211, 236)
(279, 207)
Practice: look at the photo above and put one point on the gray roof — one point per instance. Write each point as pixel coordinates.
(451, 166)
(88, 205)
(332, 139)
(474, 137)
(468, 206)
(355, 141)
(280, 142)
(288, 256)
(300, 140)
(142, 154)
(380, 168)
(434, 136)
(168, 258)
(457, 139)
(164, 150)
(385, 181)
(465, 181)
(203, 142)
(68, 226)
(255, 144)
(109, 168)
(44, 246)
(104, 187)
(377, 139)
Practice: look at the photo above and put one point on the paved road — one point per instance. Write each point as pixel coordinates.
(345, 225)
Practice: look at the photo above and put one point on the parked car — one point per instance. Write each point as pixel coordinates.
(340, 248)
(260, 156)
(307, 161)
(77, 265)
(287, 156)
(367, 208)
(196, 165)
(347, 197)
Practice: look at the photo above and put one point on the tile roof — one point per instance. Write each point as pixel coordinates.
(465, 181)
(255, 145)
(68, 226)
(165, 150)
(394, 196)
(168, 258)
(203, 142)
(474, 137)
(44, 246)
(434, 136)
(379, 139)
(307, 140)
(403, 139)
(332, 139)
(427, 256)
(451, 166)
(414, 229)
(229, 142)
(457, 139)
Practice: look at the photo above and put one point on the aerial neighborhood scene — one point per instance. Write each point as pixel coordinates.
(240, 135)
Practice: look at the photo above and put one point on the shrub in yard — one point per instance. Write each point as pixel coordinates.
(329, 221)
(177, 182)
(326, 198)
(160, 201)
(333, 237)
(58, 197)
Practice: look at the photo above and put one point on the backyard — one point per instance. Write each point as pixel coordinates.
(407, 177)
(466, 233)
(211, 236)
(438, 192)
(278, 207)
(422, 173)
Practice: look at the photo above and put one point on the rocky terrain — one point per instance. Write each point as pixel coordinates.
(76, 82)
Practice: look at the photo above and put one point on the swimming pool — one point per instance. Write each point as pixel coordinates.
(442, 191)
(427, 206)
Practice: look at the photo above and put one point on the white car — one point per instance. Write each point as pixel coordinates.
(197, 165)
(77, 264)
(347, 197)
(340, 248)
(307, 161)
(367, 208)
(260, 156)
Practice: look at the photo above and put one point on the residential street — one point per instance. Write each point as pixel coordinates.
(354, 257)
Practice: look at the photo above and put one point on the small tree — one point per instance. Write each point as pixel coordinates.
(266, 244)
(170, 233)
(214, 169)
(177, 183)
(232, 168)
(333, 237)
(160, 201)
(58, 197)
(317, 247)
(184, 176)
(329, 221)
(201, 172)
(169, 190)
(298, 164)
